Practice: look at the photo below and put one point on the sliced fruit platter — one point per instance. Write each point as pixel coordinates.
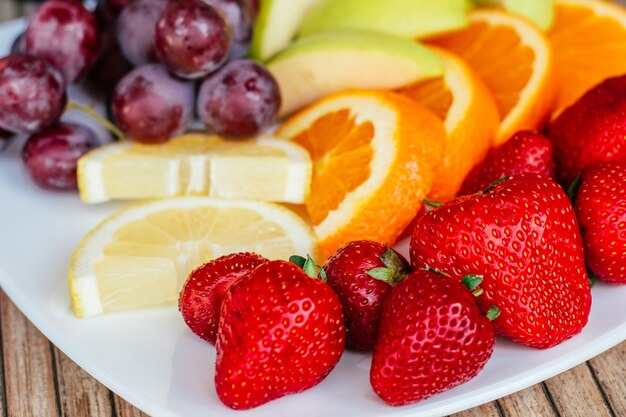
(317, 207)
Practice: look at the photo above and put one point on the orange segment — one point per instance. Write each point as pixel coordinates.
(375, 155)
(514, 59)
(589, 43)
(470, 116)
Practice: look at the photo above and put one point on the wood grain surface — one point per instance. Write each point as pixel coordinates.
(38, 380)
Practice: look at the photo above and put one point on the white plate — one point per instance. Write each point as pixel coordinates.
(153, 361)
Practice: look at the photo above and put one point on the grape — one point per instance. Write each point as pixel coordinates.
(32, 93)
(5, 137)
(108, 10)
(151, 106)
(65, 34)
(51, 155)
(19, 45)
(192, 39)
(136, 27)
(240, 99)
(240, 16)
(110, 67)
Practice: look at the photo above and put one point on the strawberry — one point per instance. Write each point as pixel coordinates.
(432, 337)
(592, 130)
(362, 274)
(601, 209)
(201, 297)
(527, 152)
(522, 236)
(280, 332)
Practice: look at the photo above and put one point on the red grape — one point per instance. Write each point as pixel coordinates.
(240, 15)
(65, 34)
(32, 93)
(151, 106)
(135, 30)
(192, 39)
(240, 99)
(51, 155)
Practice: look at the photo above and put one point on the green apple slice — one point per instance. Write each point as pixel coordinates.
(405, 18)
(539, 11)
(277, 23)
(329, 62)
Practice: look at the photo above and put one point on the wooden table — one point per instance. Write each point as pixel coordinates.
(38, 380)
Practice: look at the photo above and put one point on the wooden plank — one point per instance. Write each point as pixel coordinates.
(485, 410)
(124, 409)
(28, 365)
(575, 394)
(532, 401)
(610, 370)
(79, 393)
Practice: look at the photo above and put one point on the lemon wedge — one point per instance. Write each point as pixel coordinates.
(264, 169)
(141, 255)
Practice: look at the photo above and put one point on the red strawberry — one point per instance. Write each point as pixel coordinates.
(362, 274)
(432, 337)
(201, 297)
(592, 130)
(280, 332)
(601, 209)
(527, 152)
(522, 236)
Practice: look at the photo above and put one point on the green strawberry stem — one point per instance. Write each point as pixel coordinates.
(591, 277)
(493, 313)
(436, 271)
(309, 267)
(572, 190)
(393, 271)
(495, 183)
(89, 111)
(433, 204)
(472, 281)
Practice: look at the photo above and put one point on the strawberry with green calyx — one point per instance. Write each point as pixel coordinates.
(527, 152)
(201, 297)
(432, 337)
(523, 238)
(600, 204)
(281, 331)
(362, 274)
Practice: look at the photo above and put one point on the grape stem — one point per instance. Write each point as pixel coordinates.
(89, 111)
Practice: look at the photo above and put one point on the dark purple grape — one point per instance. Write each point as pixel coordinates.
(240, 17)
(32, 93)
(135, 30)
(51, 155)
(108, 10)
(19, 45)
(110, 67)
(5, 137)
(241, 99)
(65, 34)
(150, 105)
(192, 39)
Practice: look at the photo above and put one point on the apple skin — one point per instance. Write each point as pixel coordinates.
(541, 12)
(318, 65)
(405, 18)
(276, 24)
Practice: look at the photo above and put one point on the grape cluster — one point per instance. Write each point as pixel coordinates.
(158, 62)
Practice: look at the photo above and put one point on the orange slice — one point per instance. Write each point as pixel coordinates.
(514, 59)
(470, 116)
(375, 155)
(589, 43)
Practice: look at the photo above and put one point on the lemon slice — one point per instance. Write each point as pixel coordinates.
(263, 169)
(141, 256)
